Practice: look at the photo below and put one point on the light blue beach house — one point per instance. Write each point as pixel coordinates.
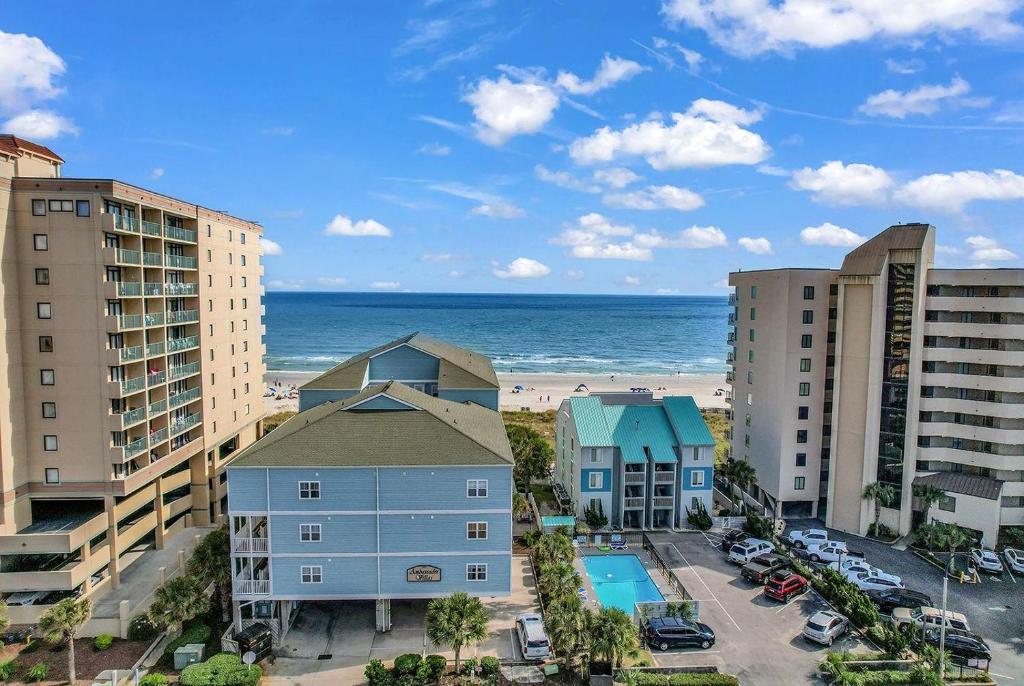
(387, 492)
(643, 462)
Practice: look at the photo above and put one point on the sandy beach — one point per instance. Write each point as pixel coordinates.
(546, 391)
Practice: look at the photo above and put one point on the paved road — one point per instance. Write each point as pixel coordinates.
(758, 639)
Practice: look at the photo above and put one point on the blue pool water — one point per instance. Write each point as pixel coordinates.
(620, 581)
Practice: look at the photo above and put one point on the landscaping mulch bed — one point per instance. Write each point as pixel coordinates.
(89, 662)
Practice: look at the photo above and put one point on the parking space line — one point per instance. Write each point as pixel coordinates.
(1003, 676)
(512, 641)
(796, 598)
(713, 596)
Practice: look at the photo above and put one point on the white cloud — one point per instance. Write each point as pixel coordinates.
(692, 58)
(564, 179)
(922, 100)
(28, 68)
(612, 251)
(709, 134)
(656, 198)
(386, 285)
(772, 170)
(278, 131)
(904, 67)
(39, 125)
(631, 280)
(288, 214)
(948, 250)
(499, 211)
(844, 184)
(988, 249)
(758, 246)
(504, 109)
(522, 268)
(591, 238)
(616, 177)
(693, 238)
(437, 257)
(286, 284)
(666, 291)
(611, 71)
(343, 226)
(491, 205)
(271, 247)
(446, 124)
(332, 281)
(1010, 113)
(952, 192)
(753, 27)
(455, 274)
(435, 149)
(156, 173)
(831, 235)
(575, 275)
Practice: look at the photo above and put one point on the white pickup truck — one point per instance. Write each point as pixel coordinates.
(807, 537)
(830, 551)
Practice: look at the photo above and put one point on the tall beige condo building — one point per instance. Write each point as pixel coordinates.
(884, 370)
(130, 372)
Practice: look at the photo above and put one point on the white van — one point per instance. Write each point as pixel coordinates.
(532, 637)
(744, 552)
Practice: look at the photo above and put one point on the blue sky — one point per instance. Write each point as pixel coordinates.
(488, 146)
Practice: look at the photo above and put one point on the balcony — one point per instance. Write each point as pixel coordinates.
(70, 574)
(125, 224)
(134, 448)
(633, 503)
(132, 417)
(154, 319)
(182, 316)
(157, 437)
(152, 289)
(63, 535)
(179, 234)
(732, 318)
(128, 289)
(251, 545)
(730, 357)
(158, 407)
(183, 397)
(123, 322)
(182, 262)
(731, 338)
(133, 385)
(1007, 384)
(252, 586)
(155, 349)
(732, 300)
(181, 288)
(181, 371)
(664, 477)
(129, 354)
(130, 257)
(663, 501)
(152, 259)
(150, 228)
(178, 344)
(634, 477)
(730, 376)
(156, 378)
(185, 423)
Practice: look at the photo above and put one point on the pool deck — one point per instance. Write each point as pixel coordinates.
(645, 559)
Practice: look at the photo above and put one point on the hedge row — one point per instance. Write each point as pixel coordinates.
(225, 669)
(685, 679)
(194, 632)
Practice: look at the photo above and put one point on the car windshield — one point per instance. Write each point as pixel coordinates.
(537, 643)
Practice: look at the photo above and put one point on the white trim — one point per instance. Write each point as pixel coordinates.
(319, 572)
(379, 596)
(354, 513)
(384, 395)
(487, 575)
(478, 537)
(445, 553)
(694, 473)
(486, 489)
(497, 465)
(318, 530)
(400, 345)
(600, 481)
(308, 488)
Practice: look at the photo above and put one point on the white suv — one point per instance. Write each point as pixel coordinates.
(744, 552)
(532, 637)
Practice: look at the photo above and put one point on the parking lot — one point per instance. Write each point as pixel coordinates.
(757, 639)
(994, 607)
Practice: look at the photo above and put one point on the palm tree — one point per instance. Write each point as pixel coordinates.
(558, 579)
(739, 473)
(955, 537)
(178, 601)
(927, 495)
(883, 495)
(5, 620)
(568, 626)
(456, 621)
(60, 624)
(613, 634)
(520, 505)
(556, 547)
(211, 561)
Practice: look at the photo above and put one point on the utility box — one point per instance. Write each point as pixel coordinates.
(188, 654)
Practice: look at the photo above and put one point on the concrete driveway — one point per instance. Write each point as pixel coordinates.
(757, 639)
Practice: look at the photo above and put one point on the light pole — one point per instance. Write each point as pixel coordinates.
(942, 625)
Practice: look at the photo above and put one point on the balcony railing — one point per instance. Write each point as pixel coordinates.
(155, 349)
(155, 319)
(731, 338)
(127, 289)
(154, 289)
(156, 378)
(182, 316)
(181, 288)
(150, 228)
(183, 370)
(253, 586)
(185, 423)
(129, 354)
(133, 385)
(180, 399)
(251, 545)
(176, 344)
(664, 477)
(633, 503)
(127, 224)
(129, 321)
(663, 501)
(134, 448)
(127, 256)
(732, 299)
(158, 407)
(730, 376)
(179, 234)
(732, 318)
(181, 262)
(133, 416)
(157, 437)
(730, 358)
(152, 259)
(634, 477)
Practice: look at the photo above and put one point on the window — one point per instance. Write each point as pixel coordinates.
(808, 316)
(806, 340)
(805, 364)
(49, 410)
(696, 454)
(753, 313)
(40, 241)
(230, 235)
(209, 231)
(38, 208)
(801, 459)
(313, 574)
(476, 530)
(750, 398)
(808, 292)
(61, 206)
(309, 533)
(476, 488)
(49, 443)
(46, 344)
(594, 455)
(1012, 501)
(753, 292)
(750, 376)
(476, 572)
(43, 310)
(799, 483)
(209, 256)
(697, 478)
(802, 412)
(746, 440)
(747, 420)
(82, 208)
(805, 388)
(245, 303)
(948, 504)
(241, 237)
(309, 490)
(241, 259)
(46, 377)
(751, 335)
(595, 480)
(52, 475)
(750, 355)
(801, 435)
(42, 276)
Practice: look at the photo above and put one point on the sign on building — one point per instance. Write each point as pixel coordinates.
(423, 573)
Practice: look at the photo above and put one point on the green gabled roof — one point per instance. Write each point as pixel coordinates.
(459, 368)
(687, 421)
(340, 434)
(591, 424)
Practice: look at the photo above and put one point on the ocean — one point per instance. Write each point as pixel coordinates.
(552, 334)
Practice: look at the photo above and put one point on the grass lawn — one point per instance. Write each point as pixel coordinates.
(545, 497)
(541, 422)
(271, 422)
(718, 425)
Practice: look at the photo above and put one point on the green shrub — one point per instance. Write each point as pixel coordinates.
(31, 645)
(153, 679)
(194, 632)
(103, 642)
(7, 669)
(141, 628)
(699, 517)
(684, 679)
(38, 672)
(377, 674)
(406, 665)
(469, 665)
(759, 527)
(489, 665)
(436, 665)
(225, 669)
(530, 537)
(890, 639)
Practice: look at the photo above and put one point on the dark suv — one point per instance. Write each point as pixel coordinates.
(964, 646)
(671, 632)
(889, 599)
(732, 537)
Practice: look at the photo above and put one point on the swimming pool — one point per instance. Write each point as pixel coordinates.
(620, 581)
